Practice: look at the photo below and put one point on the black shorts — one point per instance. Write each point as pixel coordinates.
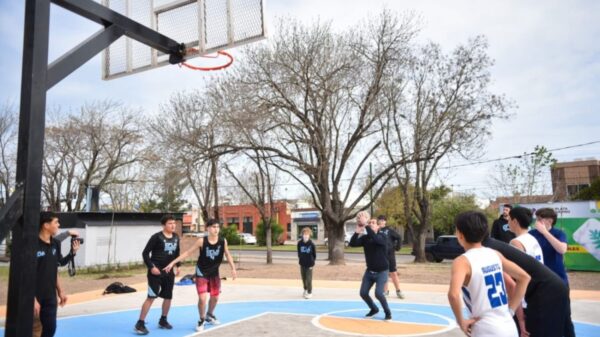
(161, 285)
(392, 262)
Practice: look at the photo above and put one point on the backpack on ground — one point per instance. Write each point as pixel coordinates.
(118, 288)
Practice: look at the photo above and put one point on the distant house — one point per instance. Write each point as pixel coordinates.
(111, 238)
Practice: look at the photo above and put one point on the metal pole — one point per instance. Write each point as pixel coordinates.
(21, 284)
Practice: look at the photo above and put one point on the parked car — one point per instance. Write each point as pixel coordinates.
(445, 247)
(347, 237)
(248, 238)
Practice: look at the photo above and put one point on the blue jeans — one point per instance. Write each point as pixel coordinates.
(379, 279)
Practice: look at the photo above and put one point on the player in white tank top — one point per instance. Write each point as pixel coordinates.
(531, 246)
(477, 275)
(485, 295)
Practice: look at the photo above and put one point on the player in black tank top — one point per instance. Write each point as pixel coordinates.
(161, 249)
(212, 248)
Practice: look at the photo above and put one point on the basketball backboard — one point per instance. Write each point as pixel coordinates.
(204, 26)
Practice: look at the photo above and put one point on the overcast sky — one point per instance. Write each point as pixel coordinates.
(547, 60)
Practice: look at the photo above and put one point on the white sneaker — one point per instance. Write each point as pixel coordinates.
(308, 295)
(304, 293)
(200, 326)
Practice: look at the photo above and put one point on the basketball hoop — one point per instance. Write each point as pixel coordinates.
(218, 67)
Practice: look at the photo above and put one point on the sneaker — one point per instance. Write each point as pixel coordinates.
(200, 326)
(211, 319)
(400, 294)
(305, 293)
(387, 293)
(308, 295)
(140, 328)
(163, 324)
(388, 316)
(372, 313)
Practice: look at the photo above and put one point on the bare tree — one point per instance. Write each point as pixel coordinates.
(438, 105)
(259, 186)
(525, 177)
(109, 139)
(188, 125)
(8, 142)
(311, 98)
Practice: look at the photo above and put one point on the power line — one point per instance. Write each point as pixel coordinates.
(518, 156)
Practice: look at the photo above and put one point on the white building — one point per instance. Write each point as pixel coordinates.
(111, 238)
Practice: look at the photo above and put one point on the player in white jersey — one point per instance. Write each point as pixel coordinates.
(478, 275)
(519, 219)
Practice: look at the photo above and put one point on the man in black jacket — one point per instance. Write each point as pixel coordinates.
(375, 248)
(500, 230)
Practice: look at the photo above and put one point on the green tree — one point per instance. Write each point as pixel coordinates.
(230, 233)
(591, 192)
(261, 237)
(445, 209)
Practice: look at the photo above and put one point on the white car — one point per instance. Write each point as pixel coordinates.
(347, 237)
(248, 238)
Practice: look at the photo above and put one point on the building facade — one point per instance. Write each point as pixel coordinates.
(247, 217)
(568, 178)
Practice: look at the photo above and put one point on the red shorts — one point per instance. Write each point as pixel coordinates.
(210, 285)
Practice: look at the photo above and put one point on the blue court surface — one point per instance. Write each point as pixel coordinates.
(183, 318)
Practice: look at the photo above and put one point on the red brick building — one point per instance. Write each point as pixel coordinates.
(247, 217)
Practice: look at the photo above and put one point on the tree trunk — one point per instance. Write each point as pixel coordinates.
(269, 242)
(335, 233)
(419, 245)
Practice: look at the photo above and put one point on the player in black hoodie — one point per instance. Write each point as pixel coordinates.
(375, 248)
(307, 255)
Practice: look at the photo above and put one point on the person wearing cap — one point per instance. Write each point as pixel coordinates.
(394, 242)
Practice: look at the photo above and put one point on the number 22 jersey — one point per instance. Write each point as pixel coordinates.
(485, 295)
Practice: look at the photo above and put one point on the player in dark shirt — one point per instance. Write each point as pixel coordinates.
(547, 296)
(394, 242)
(375, 248)
(48, 259)
(161, 249)
(212, 249)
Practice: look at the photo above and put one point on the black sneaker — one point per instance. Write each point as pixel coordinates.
(211, 319)
(388, 316)
(372, 313)
(200, 326)
(163, 324)
(140, 328)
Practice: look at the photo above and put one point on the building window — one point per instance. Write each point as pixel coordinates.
(248, 224)
(574, 189)
(233, 221)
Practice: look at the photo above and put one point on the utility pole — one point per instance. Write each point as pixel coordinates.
(371, 186)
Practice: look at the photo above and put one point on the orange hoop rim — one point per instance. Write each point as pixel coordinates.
(220, 52)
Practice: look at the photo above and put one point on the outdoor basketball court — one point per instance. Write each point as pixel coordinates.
(255, 307)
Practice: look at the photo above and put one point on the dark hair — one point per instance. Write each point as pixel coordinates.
(46, 217)
(546, 213)
(509, 206)
(473, 225)
(523, 216)
(211, 222)
(167, 217)
(382, 217)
